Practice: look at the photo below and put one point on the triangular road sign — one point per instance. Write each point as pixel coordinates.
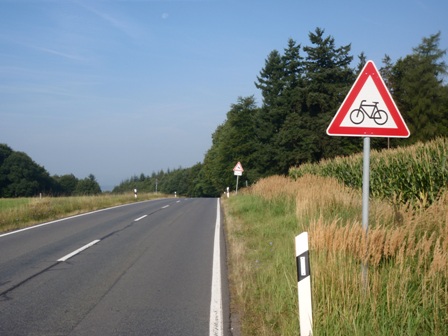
(238, 169)
(368, 110)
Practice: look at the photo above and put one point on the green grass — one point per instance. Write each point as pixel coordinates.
(10, 203)
(265, 227)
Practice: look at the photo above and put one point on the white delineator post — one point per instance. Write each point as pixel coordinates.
(304, 285)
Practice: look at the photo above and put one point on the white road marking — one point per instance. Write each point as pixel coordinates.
(166, 206)
(68, 256)
(137, 219)
(216, 315)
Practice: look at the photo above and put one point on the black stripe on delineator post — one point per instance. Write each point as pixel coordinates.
(303, 266)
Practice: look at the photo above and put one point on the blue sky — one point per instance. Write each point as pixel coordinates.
(117, 88)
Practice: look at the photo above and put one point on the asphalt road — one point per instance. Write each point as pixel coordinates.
(143, 269)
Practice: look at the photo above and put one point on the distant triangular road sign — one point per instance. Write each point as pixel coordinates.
(238, 169)
(368, 110)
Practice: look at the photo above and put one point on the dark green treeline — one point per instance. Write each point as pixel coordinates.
(302, 88)
(20, 176)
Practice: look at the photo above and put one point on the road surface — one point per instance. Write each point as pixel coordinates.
(140, 269)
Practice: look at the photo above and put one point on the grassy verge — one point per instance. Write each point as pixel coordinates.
(22, 212)
(407, 252)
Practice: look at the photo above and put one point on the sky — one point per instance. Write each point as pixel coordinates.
(116, 88)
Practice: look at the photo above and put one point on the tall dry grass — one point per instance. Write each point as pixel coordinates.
(406, 250)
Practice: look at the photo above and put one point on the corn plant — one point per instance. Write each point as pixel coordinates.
(418, 173)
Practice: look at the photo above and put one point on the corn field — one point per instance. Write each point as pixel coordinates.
(418, 173)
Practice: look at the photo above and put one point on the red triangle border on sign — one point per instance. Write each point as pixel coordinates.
(238, 167)
(335, 128)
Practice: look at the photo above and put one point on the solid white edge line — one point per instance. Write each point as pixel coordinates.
(216, 314)
(68, 256)
(137, 219)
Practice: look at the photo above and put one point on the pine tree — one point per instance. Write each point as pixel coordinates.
(292, 74)
(292, 140)
(327, 81)
(386, 72)
(421, 96)
(328, 72)
(362, 60)
(235, 140)
(270, 81)
(271, 115)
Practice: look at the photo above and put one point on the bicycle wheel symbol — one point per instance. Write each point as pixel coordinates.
(357, 116)
(380, 117)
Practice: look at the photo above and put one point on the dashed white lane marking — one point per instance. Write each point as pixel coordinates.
(68, 256)
(137, 219)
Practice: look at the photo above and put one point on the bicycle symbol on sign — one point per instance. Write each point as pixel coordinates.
(379, 116)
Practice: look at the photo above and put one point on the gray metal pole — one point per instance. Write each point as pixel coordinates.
(237, 184)
(365, 201)
(366, 185)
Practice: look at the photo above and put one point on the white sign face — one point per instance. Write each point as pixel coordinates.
(237, 173)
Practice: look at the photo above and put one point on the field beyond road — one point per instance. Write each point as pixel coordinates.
(17, 213)
(406, 250)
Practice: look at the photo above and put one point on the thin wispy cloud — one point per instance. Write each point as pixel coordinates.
(121, 24)
(34, 45)
(61, 54)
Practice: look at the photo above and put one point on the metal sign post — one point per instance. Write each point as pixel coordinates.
(236, 188)
(365, 203)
